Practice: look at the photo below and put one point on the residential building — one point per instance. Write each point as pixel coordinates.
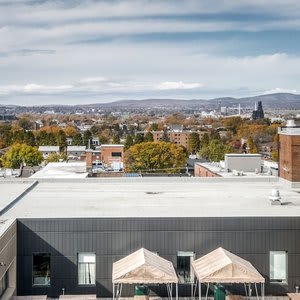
(47, 150)
(76, 152)
(112, 156)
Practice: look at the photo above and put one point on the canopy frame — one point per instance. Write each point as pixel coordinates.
(130, 270)
(209, 278)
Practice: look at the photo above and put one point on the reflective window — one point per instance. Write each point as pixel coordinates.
(278, 266)
(184, 266)
(3, 284)
(116, 154)
(87, 268)
(41, 269)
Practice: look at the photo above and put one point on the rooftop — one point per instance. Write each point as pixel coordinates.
(217, 168)
(153, 197)
(62, 170)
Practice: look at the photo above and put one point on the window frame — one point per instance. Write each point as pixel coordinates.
(32, 269)
(78, 263)
(113, 154)
(277, 281)
(192, 256)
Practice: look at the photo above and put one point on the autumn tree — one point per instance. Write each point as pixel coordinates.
(70, 131)
(275, 147)
(21, 153)
(158, 157)
(233, 123)
(55, 157)
(252, 148)
(116, 139)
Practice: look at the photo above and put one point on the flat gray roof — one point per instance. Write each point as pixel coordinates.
(9, 192)
(154, 197)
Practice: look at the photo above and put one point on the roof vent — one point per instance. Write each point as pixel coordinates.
(275, 197)
(290, 123)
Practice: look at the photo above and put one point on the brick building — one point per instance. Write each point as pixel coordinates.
(289, 152)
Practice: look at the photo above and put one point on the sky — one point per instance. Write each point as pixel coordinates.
(80, 52)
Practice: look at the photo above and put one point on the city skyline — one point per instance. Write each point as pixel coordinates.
(79, 52)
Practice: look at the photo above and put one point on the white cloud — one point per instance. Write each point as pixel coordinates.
(280, 90)
(177, 85)
(33, 88)
(93, 80)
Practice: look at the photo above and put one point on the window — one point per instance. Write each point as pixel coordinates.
(87, 268)
(3, 284)
(116, 154)
(278, 266)
(184, 266)
(41, 269)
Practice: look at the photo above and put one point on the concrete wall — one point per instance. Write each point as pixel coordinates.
(8, 254)
(243, 162)
(201, 171)
(112, 239)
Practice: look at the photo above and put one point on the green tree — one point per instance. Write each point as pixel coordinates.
(29, 138)
(149, 137)
(61, 140)
(25, 123)
(165, 137)
(116, 139)
(154, 126)
(87, 138)
(205, 139)
(51, 139)
(18, 137)
(77, 140)
(158, 157)
(42, 138)
(215, 150)
(21, 153)
(139, 138)
(128, 141)
(194, 142)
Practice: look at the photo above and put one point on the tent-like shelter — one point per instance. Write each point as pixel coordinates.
(143, 267)
(222, 266)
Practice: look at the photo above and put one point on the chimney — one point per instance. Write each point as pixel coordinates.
(89, 160)
(289, 152)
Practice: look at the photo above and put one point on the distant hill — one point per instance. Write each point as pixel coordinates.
(279, 100)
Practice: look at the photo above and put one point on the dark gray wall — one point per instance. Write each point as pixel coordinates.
(112, 239)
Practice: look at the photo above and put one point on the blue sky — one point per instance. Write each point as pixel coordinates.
(73, 51)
